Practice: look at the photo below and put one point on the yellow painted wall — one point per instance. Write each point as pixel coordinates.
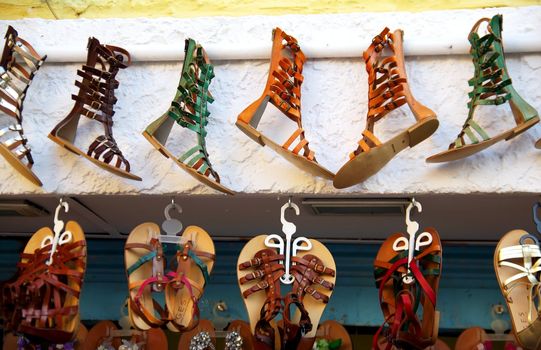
(13, 9)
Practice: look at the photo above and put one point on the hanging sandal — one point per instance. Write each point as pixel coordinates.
(400, 301)
(145, 263)
(18, 65)
(187, 282)
(491, 86)
(517, 263)
(259, 282)
(283, 90)
(95, 100)
(315, 277)
(189, 110)
(388, 89)
(48, 295)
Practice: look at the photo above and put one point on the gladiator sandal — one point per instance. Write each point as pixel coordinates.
(283, 90)
(47, 296)
(491, 86)
(409, 310)
(259, 282)
(95, 100)
(187, 281)
(517, 262)
(18, 65)
(189, 110)
(315, 276)
(388, 89)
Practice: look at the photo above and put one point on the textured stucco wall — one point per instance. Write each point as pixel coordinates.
(334, 105)
(63, 9)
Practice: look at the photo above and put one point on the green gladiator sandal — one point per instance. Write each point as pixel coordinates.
(189, 110)
(491, 86)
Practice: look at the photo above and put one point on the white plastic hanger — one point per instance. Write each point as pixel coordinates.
(287, 248)
(59, 237)
(414, 243)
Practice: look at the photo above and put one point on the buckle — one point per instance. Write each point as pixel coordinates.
(390, 106)
(97, 103)
(263, 285)
(319, 268)
(388, 94)
(282, 101)
(88, 116)
(288, 83)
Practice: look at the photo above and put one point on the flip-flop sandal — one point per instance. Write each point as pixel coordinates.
(96, 100)
(145, 263)
(401, 313)
(332, 331)
(99, 334)
(388, 89)
(491, 86)
(18, 65)
(283, 90)
(55, 288)
(194, 263)
(517, 262)
(473, 339)
(258, 274)
(189, 110)
(195, 337)
(243, 329)
(315, 277)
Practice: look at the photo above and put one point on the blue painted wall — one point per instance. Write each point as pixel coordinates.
(467, 292)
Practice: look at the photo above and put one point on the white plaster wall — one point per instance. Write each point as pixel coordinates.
(334, 107)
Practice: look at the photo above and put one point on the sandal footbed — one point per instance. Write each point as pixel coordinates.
(19, 165)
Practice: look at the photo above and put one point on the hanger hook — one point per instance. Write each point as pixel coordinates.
(414, 225)
(286, 206)
(61, 205)
(170, 206)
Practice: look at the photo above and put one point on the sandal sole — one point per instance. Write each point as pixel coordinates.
(470, 149)
(19, 165)
(74, 149)
(179, 301)
(199, 177)
(369, 163)
(299, 161)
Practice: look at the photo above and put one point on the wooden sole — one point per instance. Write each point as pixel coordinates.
(254, 302)
(366, 164)
(179, 301)
(140, 234)
(74, 149)
(199, 177)
(314, 307)
(19, 165)
(299, 161)
(470, 149)
(517, 300)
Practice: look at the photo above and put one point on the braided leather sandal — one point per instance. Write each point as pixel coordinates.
(388, 89)
(315, 276)
(47, 296)
(517, 263)
(491, 86)
(189, 110)
(264, 276)
(195, 260)
(18, 65)
(400, 302)
(145, 263)
(95, 100)
(283, 90)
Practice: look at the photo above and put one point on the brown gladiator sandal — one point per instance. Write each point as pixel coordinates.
(18, 65)
(315, 275)
(95, 101)
(265, 274)
(283, 90)
(388, 89)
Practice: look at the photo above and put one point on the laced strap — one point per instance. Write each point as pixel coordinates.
(190, 106)
(308, 271)
(528, 272)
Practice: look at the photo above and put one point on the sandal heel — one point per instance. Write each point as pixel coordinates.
(523, 127)
(422, 130)
(249, 119)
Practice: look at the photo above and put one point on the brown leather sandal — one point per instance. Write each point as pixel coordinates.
(48, 295)
(283, 90)
(315, 276)
(388, 89)
(264, 276)
(18, 65)
(95, 100)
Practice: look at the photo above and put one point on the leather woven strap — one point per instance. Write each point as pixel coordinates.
(308, 271)
(189, 107)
